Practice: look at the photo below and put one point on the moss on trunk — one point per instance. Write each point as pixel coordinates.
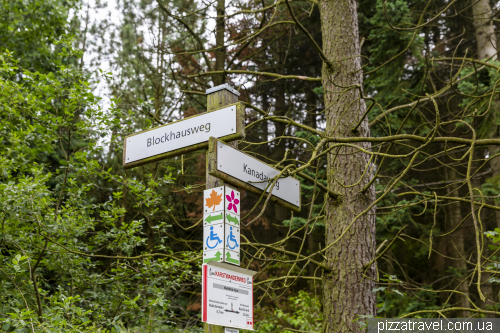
(345, 293)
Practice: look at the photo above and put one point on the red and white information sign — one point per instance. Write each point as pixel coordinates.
(227, 295)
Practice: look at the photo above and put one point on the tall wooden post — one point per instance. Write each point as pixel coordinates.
(217, 98)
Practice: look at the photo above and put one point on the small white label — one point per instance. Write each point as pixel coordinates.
(231, 330)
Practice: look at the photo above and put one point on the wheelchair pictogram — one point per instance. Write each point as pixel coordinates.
(231, 238)
(213, 237)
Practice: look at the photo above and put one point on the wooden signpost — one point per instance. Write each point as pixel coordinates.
(227, 290)
(217, 98)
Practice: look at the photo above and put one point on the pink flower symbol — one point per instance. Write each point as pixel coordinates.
(232, 202)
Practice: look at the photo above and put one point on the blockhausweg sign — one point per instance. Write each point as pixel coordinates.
(183, 136)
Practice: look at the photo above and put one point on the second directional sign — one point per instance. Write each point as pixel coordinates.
(245, 171)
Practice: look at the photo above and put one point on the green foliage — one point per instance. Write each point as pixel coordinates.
(70, 261)
(32, 29)
(394, 56)
(301, 312)
(393, 301)
(475, 87)
(39, 204)
(388, 46)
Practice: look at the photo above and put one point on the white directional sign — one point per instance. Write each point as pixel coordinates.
(247, 169)
(213, 255)
(174, 138)
(227, 295)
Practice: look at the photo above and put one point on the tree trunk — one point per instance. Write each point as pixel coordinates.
(484, 30)
(280, 110)
(310, 120)
(486, 46)
(345, 293)
(486, 43)
(220, 54)
(457, 248)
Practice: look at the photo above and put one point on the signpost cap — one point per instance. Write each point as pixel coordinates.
(221, 87)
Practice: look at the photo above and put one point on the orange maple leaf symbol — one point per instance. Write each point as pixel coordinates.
(214, 199)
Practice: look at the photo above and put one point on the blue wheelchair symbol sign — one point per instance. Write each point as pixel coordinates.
(213, 237)
(230, 239)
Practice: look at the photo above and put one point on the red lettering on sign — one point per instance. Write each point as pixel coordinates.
(230, 277)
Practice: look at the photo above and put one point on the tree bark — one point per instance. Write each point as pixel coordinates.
(220, 54)
(457, 248)
(486, 47)
(280, 213)
(486, 43)
(345, 293)
(484, 30)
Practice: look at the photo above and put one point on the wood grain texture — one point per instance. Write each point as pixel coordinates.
(220, 99)
(215, 101)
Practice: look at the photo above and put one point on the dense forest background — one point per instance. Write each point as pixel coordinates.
(86, 246)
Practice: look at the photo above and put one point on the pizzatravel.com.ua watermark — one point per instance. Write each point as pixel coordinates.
(428, 325)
